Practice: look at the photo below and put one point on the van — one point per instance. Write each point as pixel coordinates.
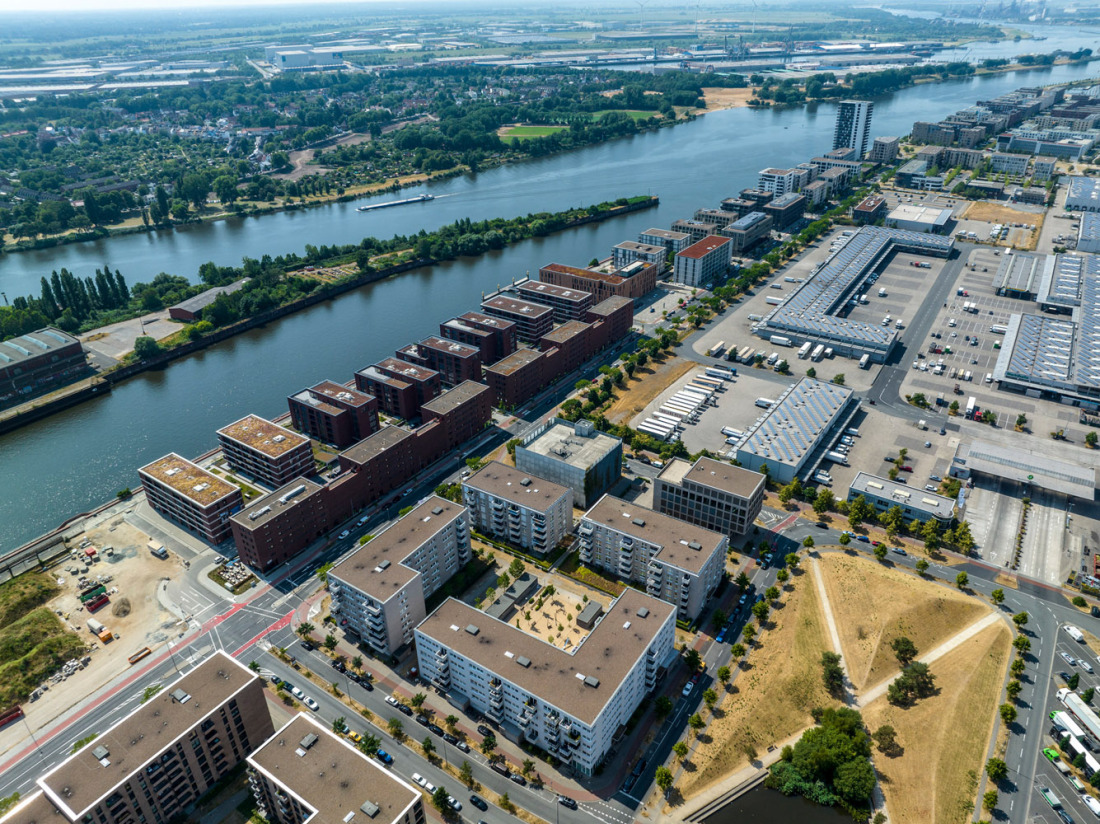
(498, 767)
(951, 322)
(1092, 804)
(882, 292)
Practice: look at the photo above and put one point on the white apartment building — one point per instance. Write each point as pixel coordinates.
(568, 702)
(704, 262)
(678, 562)
(779, 181)
(380, 588)
(673, 241)
(519, 508)
(1013, 164)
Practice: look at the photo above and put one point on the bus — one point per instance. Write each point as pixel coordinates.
(13, 713)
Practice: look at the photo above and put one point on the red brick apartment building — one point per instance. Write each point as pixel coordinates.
(265, 451)
(454, 361)
(278, 526)
(532, 320)
(334, 414)
(495, 338)
(195, 499)
(401, 388)
(632, 281)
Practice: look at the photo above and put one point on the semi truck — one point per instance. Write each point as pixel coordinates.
(865, 362)
(99, 631)
(730, 432)
(717, 350)
(720, 372)
(970, 404)
(804, 350)
(1082, 713)
(998, 329)
(765, 403)
(779, 340)
(837, 457)
(771, 300)
(818, 353)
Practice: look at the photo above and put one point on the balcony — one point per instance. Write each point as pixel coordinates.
(372, 610)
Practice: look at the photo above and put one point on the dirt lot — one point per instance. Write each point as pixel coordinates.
(135, 576)
(717, 98)
(1020, 238)
(874, 604)
(944, 738)
(647, 383)
(772, 699)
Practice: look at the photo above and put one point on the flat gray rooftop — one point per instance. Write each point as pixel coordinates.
(558, 677)
(733, 480)
(81, 780)
(510, 484)
(376, 568)
(903, 495)
(331, 777)
(33, 344)
(561, 443)
(683, 545)
(1017, 464)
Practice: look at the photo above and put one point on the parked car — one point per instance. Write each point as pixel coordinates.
(435, 729)
(419, 779)
(422, 720)
(463, 746)
(1085, 665)
(483, 730)
(479, 802)
(1069, 659)
(688, 687)
(307, 646)
(897, 550)
(393, 702)
(450, 739)
(518, 779)
(863, 538)
(405, 709)
(309, 702)
(384, 757)
(454, 803)
(1052, 755)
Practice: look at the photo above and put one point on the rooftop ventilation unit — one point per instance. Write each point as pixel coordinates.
(437, 510)
(591, 681)
(472, 629)
(638, 521)
(179, 696)
(308, 741)
(525, 482)
(370, 808)
(643, 612)
(523, 661)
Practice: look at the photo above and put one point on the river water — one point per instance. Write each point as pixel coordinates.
(76, 459)
(761, 806)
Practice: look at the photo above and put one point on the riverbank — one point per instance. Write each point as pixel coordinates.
(67, 397)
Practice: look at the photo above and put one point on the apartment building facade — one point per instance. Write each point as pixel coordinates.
(522, 509)
(677, 561)
(629, 251)
(495, 338)
(187, 494)
(265, 451)
(532, 320)
(743, 234)
(632, 281)
(401, 388)
(381, 587)
(712, 494)
(454, 361)
(334, 414)
(570, 703)
(305, 772)
(671, 241)
(853, 125)
(160, 758)
(568, 304)
(703, 262)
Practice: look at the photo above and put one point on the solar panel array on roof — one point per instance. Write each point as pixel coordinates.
(1042, 349)
(811, 311)
(1062, 281)
(794, 425)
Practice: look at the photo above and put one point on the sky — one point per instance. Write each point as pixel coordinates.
(159, 5)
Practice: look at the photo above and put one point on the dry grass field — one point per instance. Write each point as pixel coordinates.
(996, 213)
(873, 604)
(718, 98)
(648, 382)
(772, 699)
(944, 738)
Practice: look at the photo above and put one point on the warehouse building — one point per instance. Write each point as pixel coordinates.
(570, 702)
(813, 311)
(524, 510)
(575, 455)
(159, 759)
(719, 496)
(792, 436)
(334, 414)
(1054, 358)
(1063, 280)
(187, 494)
(1019, 275)
(37, 360)
(884, 494)
(913, 218)
(1083, 195)
(381, 587)
(1024, 467)
(265, 451)
(678, 562)
(1088, 232)
(306, 772)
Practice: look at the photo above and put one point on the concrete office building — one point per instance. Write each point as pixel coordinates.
(1013, 164)
(884, 150)
(625, 253)
(853, 125)
(884, 494)
(575, 455)
(704, 262)
(672, 241)
(265, 451)
(679, 562)
(870, 210)
(747, 231)
(334, 414)
(305, 772)
(786, 209)
(793, 435)
(532, 320)
(455, 362)
(37, 360)
(571, 703)
(524, 510)
(381, 587)
(1044, 168)
(187, 494)
(153, 764)
(721, 497)
(495, 338)
(568, 304)
(696, 230)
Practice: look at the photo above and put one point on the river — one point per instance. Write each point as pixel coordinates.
(76, 459)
